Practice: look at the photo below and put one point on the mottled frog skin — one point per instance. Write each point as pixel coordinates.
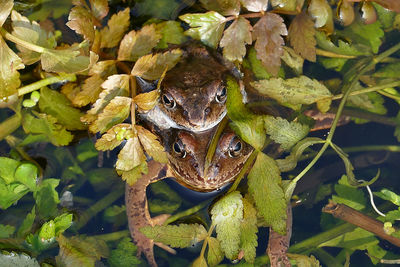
(193, 93)
(187, 156)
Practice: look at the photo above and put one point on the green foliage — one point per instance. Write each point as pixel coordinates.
(14, 259)
(349, 195)
(124, 254)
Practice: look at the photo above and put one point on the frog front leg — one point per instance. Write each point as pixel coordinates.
(137, 209)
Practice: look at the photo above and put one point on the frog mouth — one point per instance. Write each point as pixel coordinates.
(204, 126)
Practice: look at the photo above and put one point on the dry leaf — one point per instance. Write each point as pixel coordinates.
(116, 27)
(255, 5)
(302, 36)
(224, 7)
(131, 155)
(147, 101)
(81, 21)
(152, 146)
(235, 39)
(91, 89)
(267, 33)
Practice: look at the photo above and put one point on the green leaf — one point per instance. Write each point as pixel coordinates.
(227, 214)
(199, 262)
(388, 71)
(47, 126)
(10, 63)
(66, 60)
(58, 106)
(207, 27)
(6, 7)
(137, 44)
(356, 239)
(62, 223)
(367, 34)
(214, 254)
(6, 230)
(11, 193)
(7, 169)
(235, 39)
(256, 65)
(247, 125)
(265, 186)
(224, 7)
(171, 32)
(151, 67)
(47, 232)
(349, 195)
(47, 198)
(134, 174)
(160, 9)
(372, 102)
(115, 29)
(114, 137)
(165, 200)
(304, 261)
(13, 259)
(391, 196)
(342, 48)
(248, 231)
(26, 174)
(124, 254)
(285, 133)
(27, 223)
(180, 236)
(55, 9)
(294, 91)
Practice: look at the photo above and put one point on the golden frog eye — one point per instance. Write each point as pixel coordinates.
(235, 147)
(221, 94)
(179, 149)
(168, 101)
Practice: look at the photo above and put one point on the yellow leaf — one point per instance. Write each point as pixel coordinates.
(131, 155)
(116, 27)
(114, 137)
(152, 146)
(133, 175)
(147, 101)
(235, 39)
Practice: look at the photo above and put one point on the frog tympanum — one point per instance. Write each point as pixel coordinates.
(193, 93)
(187, 157)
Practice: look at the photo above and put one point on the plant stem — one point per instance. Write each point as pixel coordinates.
(369, 89)
(331, 54)
(113, 236)
(187, 212)
(21, 42)
(44, 82)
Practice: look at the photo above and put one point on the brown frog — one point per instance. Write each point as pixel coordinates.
(187, 160)
(193, 93)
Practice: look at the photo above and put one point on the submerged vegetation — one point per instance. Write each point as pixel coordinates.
(70, 68)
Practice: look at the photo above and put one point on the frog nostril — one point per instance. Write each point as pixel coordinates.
(186, 114)
(207, 111)
(195, 165)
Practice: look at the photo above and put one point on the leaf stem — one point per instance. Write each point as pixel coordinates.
(44, 82)
(187, 212)
(325, 53)
(368, 89)
(21, 42)
(113, 236)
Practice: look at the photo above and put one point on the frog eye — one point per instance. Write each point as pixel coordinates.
(179, 149)
(168, 101)
(221, 95)
(235, 147)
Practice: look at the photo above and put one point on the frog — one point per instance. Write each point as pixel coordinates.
(187, 164)
(193, 93)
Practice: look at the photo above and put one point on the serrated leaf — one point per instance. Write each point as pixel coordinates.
(224, 7)
(207, 27)
(112, 34)
(46, 198)
(147, 101)
(372, 102)
(80, 20)
(99, 8)
(11, 193)
(302, 36)
(151, 145)
(114, 137)
(151, 67)
(304, 261)
(349, 195)
(26, 174)
(235, 39)
(13, 259)
(124, 254)
(290, 162)
(131, 155)
(115, 112)
(293, 60)
(66, 60)
(247, 125)
(256, 65)
(248, 231)
(58, 106)
(214, 254)
(134, 174)
(285, 133)
(48, 127)
(6, 230)
(227, 214)
(7, 169)
(388, 195)
(76, 251)
(255, 5)
(55, 9)
(267, 34)
(26, 224)
(356, 239)
(62, 223)
(295, 91)
(138, 43)
(10, 63)
(199, 262)
(171, 33)
(321, 12)
(6, 7)
(91, 89)
(180, 236)
(342, 48)
(265, 186)
(30, 32)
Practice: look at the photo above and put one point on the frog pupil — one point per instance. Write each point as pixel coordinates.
(168, 101)
(221, 95)
(178, 149)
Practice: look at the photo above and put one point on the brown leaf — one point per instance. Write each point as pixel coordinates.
(152, 146)
(114, 137)
(104, 68)
(151, 67)
(393, 5)
(137, 44)
(99, 8)
(133, 175)
(147, 101)
(116, 27)
(91, 89)
(6, 7)
(255, 5)
(235, 39)
(321, 12)
(224, 7)
(267, 33)
(131, 155)
(81, 21)
(302, 36)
